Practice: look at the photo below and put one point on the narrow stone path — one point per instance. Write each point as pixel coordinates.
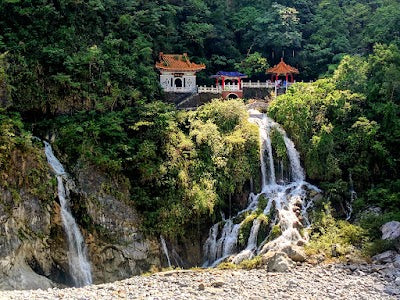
(304, 282)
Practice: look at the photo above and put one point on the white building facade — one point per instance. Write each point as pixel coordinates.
(178, 74)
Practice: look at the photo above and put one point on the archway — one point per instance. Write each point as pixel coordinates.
(232, 96)
(178, 83)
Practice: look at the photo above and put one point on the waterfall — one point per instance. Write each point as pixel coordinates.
(288, 202)
(165, 250)
(77, 253)
(353, 196)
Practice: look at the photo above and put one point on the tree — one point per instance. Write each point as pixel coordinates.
(253, 64)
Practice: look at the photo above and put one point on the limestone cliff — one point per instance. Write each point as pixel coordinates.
(32, 241)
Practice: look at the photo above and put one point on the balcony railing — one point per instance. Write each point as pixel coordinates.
(209, 89)
(231, 87)
(259, 84)
(175, 89)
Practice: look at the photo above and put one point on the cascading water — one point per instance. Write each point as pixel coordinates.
(288, 202)
(353, 196)
(77, 253)
(165, 250)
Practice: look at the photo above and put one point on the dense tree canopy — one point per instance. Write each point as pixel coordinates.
(73, 55)
(347, 129)
(85, 69)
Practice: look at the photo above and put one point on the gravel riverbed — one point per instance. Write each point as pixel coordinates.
(304, 282)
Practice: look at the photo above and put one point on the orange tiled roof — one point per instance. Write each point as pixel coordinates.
(282, 69)
(177, 62)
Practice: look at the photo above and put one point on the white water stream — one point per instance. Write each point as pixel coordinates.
(165, 250)
(77, 253)
(353, 196)
(288, 202)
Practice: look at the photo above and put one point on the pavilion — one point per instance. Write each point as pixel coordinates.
(282, 69)
(231, 84)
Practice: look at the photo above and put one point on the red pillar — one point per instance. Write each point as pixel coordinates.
(239, 83)
(216, 82)
(223, 82)
(276, 77)
(287, 77)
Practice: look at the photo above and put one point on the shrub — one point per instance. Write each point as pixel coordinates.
(254, 263)
(245, 229)
(262, 203)
(275, 232)
(334, 237)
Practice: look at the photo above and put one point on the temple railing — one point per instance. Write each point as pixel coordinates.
(175, 89)
(231, 87)
(259, 84)
(235, 87)
(209, 89)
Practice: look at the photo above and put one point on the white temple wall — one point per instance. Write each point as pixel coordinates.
(184, 82)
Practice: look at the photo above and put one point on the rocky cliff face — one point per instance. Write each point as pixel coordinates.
(26, 222)
(117, 248)
(32, 241)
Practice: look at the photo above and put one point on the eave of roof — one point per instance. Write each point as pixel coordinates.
(177, 62)
(282, 69)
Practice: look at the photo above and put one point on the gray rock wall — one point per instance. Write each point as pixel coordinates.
(33, 248)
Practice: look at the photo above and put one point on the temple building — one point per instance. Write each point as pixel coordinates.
(178, 73)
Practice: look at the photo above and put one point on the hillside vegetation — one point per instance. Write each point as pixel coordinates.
(84, 71)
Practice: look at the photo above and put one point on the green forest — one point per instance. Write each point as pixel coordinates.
(84, 70)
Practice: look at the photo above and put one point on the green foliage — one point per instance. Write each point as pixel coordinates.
(227, 266)
(95, 60)
(245, 228)
(253, 64)
(181, 165)
(22, 163)
(262, 203)
(348, 124)
(5, 88)
(264, 228)
(373, 222)
(275, 232)
(249, 264)
(334, 237)
(379, 246)
(84, 55)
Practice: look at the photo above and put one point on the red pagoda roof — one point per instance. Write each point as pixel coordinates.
(177, 62)
(282, 69)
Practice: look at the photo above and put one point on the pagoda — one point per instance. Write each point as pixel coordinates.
(178, 73)
(282, 69)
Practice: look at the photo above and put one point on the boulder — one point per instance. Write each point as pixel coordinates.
(385, 257)
(396, 261)
(391, 230)
(22, 277)
(397, 281)
(295, 253)
(277, 262)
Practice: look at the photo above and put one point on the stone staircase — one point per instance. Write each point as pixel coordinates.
(188, 102)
